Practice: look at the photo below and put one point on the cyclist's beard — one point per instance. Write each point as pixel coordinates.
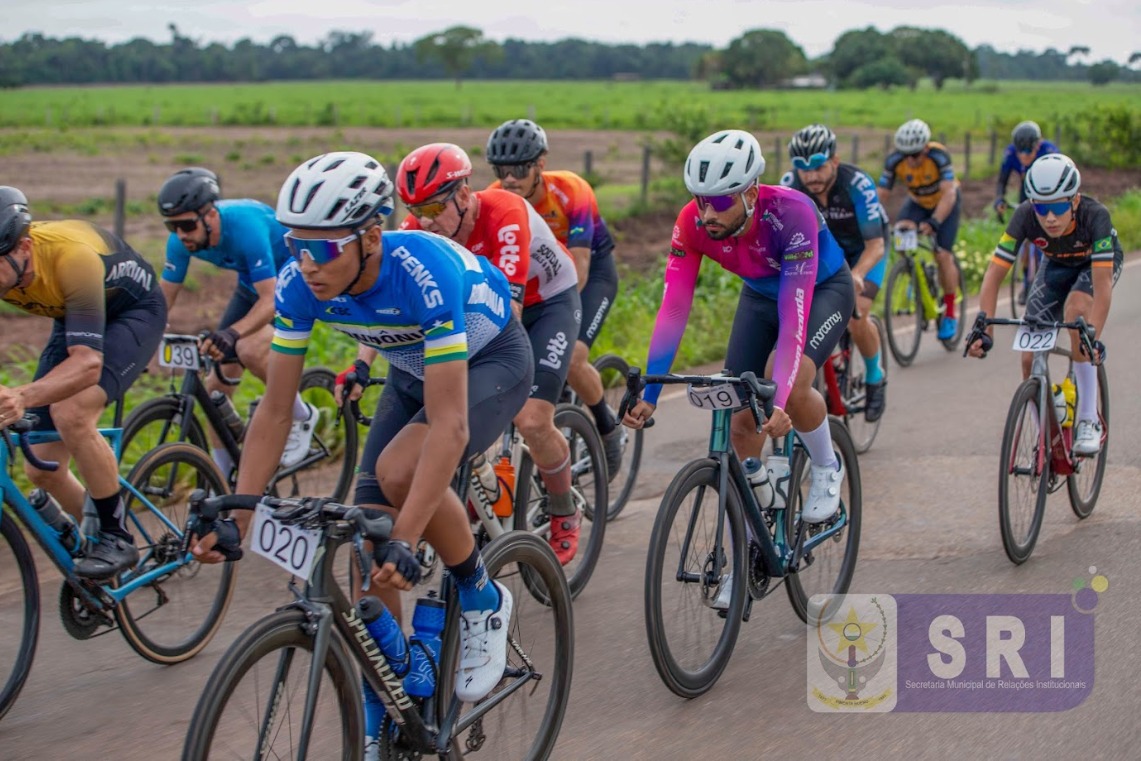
(821, 187)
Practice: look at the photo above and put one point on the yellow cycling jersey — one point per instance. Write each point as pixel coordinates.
(923, 181)
(82, 275)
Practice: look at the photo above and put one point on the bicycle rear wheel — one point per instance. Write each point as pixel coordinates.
(171, 619)
(829, 560)
(330, 466)
(254, 702)
(1024, 470)
(694, 548)
(953, 343)
(540, 657)
(903, 312)
(588, 463)
(156, 422)
(1084, 484)
(854, 389)
(612, 369)
(19, 610)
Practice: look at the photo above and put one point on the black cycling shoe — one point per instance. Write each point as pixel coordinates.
(614, 446)
(874, 400)
(112, 555)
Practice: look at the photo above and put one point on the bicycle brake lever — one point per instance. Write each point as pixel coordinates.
(362, 561)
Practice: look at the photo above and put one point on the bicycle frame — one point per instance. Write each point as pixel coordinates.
(918, 265)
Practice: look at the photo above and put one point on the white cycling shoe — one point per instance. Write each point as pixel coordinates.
(823, 493)
(1087, 438)
(483, 648)
(300, 435)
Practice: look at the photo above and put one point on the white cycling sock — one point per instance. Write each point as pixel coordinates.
(1085, 377)
(300, 411)
(818, 442)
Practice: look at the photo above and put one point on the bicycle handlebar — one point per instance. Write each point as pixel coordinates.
(755, 389)
(1086, 332)
(350, 408)
(22, 428)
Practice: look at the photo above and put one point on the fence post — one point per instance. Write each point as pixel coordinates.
(1058, 136)
(777, 152)
(887, 146)
(943, 138)
(645, 174)
(993, 148)
(587, 164)
(855, 149)
(967, 161)
(120, 206)
(390, 223)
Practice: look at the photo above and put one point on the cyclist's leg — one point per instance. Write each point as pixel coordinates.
(550, 328)
(945, 256)
(1046, 299)
(754, 334)
(1080, 303)
(61, 484)
(863, 331)
(238, 307)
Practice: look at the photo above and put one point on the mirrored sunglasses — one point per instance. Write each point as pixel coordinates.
(815, 161)
(1057, 207)
(320, 250)
(518, 171)
(432, 209)
(719, 203)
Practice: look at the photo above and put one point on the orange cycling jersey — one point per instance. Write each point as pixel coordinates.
(570, 209)
(923, 181)
(83, 276)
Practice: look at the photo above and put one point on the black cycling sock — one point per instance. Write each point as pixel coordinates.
(466, 569)
(112, 515)
(603, 417)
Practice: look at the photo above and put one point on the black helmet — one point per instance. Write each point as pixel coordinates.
(1026, 136)
(813, 139)
(188, 190)
(516, 142)
(14, 218)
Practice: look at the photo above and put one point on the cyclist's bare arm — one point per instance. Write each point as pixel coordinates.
(873, 252)
(269, 427)
(79, 371)
(261, 313)
(1102, 296)
(946, 201)
(170, 293)
(581, 256)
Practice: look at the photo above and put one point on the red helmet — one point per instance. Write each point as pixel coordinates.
(431, 169)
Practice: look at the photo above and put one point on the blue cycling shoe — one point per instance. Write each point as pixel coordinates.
(947, 327)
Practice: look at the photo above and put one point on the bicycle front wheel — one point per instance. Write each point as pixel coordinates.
(828, 558)
(540, 657)
(254, 702)
(1084, 485)
(1024, 472)
(19, 610)
(612, 369)
(588, 485)
(173, 617)
(903, 312)
(696, 579)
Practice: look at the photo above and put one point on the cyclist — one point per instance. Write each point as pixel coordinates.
(517, 152)
(846, 196)
(240, 235)
(1083, 260)
(109, 315)
(1026, 146)
(460, 368)
(795, 300)
(501, 226)
(933, 203)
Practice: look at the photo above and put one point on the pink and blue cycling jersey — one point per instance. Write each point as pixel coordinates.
(785, 250)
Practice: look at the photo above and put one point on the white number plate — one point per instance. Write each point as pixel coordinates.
(1035, 340)
(906, 240)
(179, 355)
(291, 547)
(723, 397)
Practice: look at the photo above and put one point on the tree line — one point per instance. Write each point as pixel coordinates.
(758, 58)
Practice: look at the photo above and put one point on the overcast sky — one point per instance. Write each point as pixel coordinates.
(1111, 28)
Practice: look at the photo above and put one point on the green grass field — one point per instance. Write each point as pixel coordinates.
(590, 105)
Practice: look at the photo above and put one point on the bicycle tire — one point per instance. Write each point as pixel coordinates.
(164, 410)
(195, 594)
(955, 342)
(798, 595)
(699, 475)
(863, 433)
(28, 588)
(1084, 499)
(530, 509)
(280, 631)
(901, 309)
(621, 485)
(501, 556)
(1026, 397)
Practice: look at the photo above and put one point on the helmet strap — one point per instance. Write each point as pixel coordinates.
(19, 270)
(748, 215)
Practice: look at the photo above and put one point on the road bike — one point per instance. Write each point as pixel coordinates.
(289, 686)
(1037, 456)
(711, 529)
(913, 301)
(167, 607)
(328, 468)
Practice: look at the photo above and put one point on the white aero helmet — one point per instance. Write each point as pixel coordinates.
(335, 190)
(724, 163)
(912, 137)
(1052, 178)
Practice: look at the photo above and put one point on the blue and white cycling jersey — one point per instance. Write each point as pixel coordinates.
(433, 301)
(252, 244)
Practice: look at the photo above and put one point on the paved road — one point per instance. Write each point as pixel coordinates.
(929, 526)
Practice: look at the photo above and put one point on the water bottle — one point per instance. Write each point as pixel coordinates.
(758, 476)
(428, 628)
(1070, 393)
(1059, 404)
(779, 476)
(229, 415)
(53, 515)
(491, 480)
(385, 629)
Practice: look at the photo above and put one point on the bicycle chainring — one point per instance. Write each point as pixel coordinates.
(391, 745)
(758, 579)
(78, 619)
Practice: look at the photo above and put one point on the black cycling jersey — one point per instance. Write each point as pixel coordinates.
(1091, 239)
(853, 211)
